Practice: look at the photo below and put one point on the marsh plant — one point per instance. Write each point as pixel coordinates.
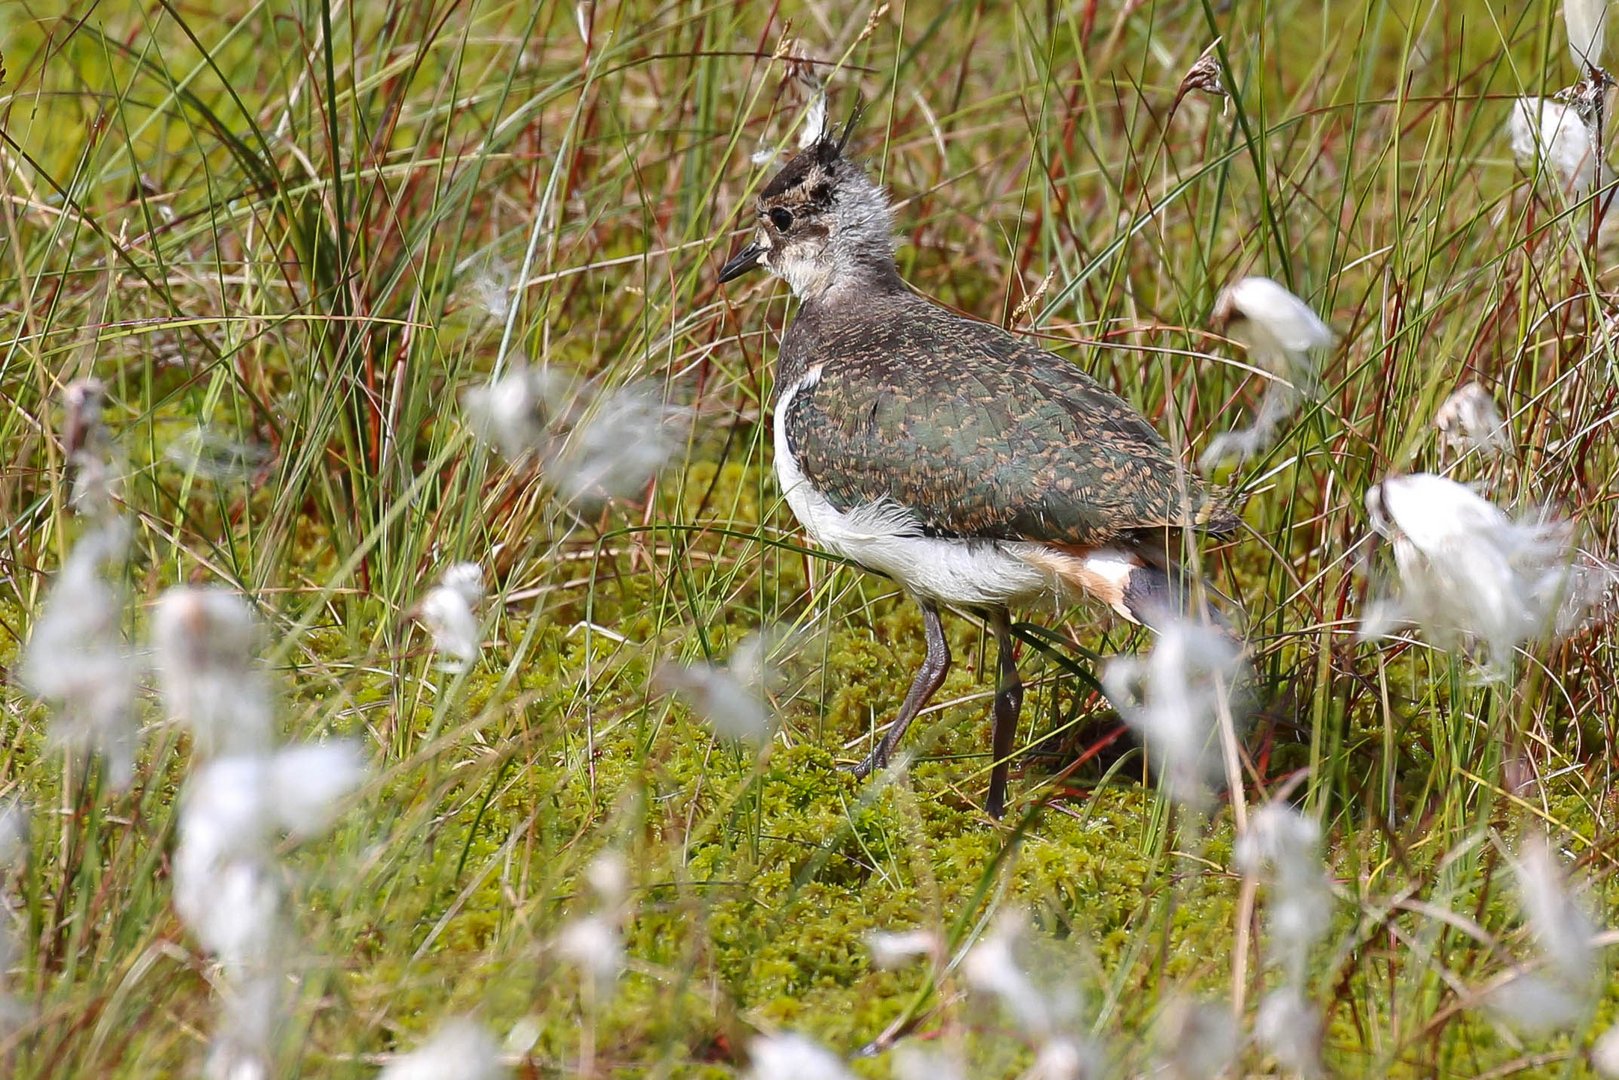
(413, 669)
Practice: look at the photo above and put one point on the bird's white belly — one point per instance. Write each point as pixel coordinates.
(883, 537)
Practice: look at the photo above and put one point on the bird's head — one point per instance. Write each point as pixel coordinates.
(823, 225)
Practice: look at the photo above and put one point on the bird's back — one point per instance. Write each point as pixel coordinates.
(977, 433)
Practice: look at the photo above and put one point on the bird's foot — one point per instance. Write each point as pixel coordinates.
(877, 759)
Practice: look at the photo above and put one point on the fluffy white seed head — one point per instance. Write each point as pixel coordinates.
(461, 1049)
(912, 1062)
(1605, 1054)
(1290, 1029)
(1539, 1004)
(788, 1056)
(1279, 330)
(205, 645)
(734, 698)
(1551, 138)
(226, 886)
(449, 611)
(1035, 991)
(594, 444)
(608, 876)
(1174, 698)
(1282, 846)
(1468, 571)
(896, 948)
(76, 657)
(1469, 422)
(1557, 920)
(1586, 21)
(1196, 1040)
(594, 945)
(13, 834)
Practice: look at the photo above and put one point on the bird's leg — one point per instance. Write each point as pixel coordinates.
(927, 682)
(1008, 703)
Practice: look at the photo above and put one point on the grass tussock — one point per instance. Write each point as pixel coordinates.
(286, 243)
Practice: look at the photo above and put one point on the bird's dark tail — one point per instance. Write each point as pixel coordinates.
(1139, 588)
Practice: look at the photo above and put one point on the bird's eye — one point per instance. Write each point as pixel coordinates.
(781, 218)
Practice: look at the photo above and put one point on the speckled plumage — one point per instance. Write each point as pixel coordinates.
(976, 470)
(979, 433)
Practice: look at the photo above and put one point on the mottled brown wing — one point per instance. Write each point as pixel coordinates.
(979, 434)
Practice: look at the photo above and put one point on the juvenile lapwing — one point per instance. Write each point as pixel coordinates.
(974, 469)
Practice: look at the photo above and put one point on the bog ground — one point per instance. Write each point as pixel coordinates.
(289, 239)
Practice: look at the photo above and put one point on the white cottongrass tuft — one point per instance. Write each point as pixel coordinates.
(1467, 571)
(1469, 422)
(1282, 846)
(593, 444)
(1586, 21)
(1605, 1054)
(1196, 1040)
(896, 948)
(595, 943)
(77, 659)
(461, 1049)
(205, 644)
(1290, 1029)
(231, 893)
(734, 697)
(1552, 138)
(449, 611)
(1174, 699)
(812, 127)
(1562, 995)
(789, 1056)
(912, 1062)
(13, 856)
(232, 811)
(215, 456)
(95, 471)
(1280, 332)
(1034, 991)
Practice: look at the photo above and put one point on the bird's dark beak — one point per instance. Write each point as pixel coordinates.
(741, 262)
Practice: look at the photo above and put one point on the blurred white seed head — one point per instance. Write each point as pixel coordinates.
(205, 645)
(812, 126)
(13, 835)
(608, 876)
(215, 456)
(1290, 1029)
(1469, 422)
(789, 1056)
(1196, 1040)
(1279, 330)
(76, 657)
(461, 1049)
(1282, 846)
(1551, 138)
(227, 888)
(896, 948)
(1062, 1058)
(1036, 993)
(1558, 921)
(912, 1062)
(88, 449)
(251, 1011)
(1174, 698)
(594, 945)
(1586, 21)
(1539, 1004)
(594, 444)
(1467, 571)
(1605, 1054)
(449, 611)
(734, 698)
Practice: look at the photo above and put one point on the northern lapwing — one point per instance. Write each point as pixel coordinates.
(971, 467)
